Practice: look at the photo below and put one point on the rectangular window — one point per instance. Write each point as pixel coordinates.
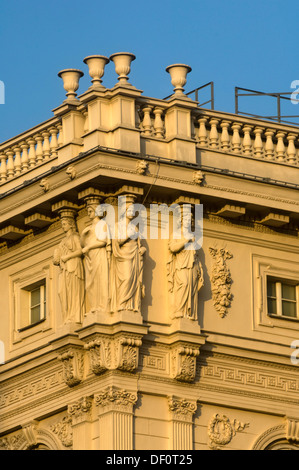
(33, 304)
(37, 304)
(283, 298)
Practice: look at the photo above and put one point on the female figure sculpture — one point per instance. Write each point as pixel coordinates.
(97, 255)
(185, 274)
(68, 257)
(127, 268)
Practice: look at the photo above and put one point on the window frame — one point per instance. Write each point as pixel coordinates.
(276, 328)
(20, 282)
(279, 282)
(28, 290)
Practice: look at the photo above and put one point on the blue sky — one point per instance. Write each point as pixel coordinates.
(251, 44)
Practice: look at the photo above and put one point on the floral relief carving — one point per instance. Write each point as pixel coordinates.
(64, 431)
(116, 398)
(221, 430)
(182, 408)
(221, 280)
(14, 442)
(80, 410)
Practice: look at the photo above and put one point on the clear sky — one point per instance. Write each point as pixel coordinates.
(246, 43)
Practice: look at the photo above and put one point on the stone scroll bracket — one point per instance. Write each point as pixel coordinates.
(184, 342)
(71, 354)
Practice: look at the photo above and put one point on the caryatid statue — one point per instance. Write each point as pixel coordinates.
(96, 248)
(127, 264)
(68, 256)
(185, 275)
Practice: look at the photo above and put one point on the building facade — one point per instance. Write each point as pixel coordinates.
(136, 342)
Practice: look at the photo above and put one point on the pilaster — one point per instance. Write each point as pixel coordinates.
(81, 414)
(115, 412)
(181, 431)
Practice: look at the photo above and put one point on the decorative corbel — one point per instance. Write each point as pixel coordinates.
(73, 366)
(100, 354)
(183, 362)
(127, 353)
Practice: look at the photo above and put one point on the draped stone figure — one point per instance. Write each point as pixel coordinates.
(185, 276)
(68, 257)
(127, 268)
(96, 247)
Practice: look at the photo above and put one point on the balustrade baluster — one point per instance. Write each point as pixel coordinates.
(158, 123)
(225, 140)
(3, 173)
(202, 132)
(18, 164)
(236, 139)
(147, 122)
(24, 146)
(269, 146)
(54, 143)
(32, 155)
(46, 145)
(10, 169)
(292, 153)
(214, 133)
(258, 143)
(39, 148)
(280, 148)
(247, 143)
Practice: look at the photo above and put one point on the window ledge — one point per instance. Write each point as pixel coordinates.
(31, 326)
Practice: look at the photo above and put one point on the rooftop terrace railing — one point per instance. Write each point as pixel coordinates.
(30, 149)
(279, 98)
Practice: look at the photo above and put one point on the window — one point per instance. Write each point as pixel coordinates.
(283, 298)
(33, 304)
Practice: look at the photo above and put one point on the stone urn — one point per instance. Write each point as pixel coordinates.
(96, 65)
(178, 73)
(122, 62)
(71, 78)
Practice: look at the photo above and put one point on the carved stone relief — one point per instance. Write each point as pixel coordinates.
(183, 363)
(221, 430)
(221, 280)
(116, 399)
(97, 256)
(109, 353)
(68, 257)
(80, 410)
(73, 366)
(64, 431)
(127, 288)
(182, 409)
(185, 276)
